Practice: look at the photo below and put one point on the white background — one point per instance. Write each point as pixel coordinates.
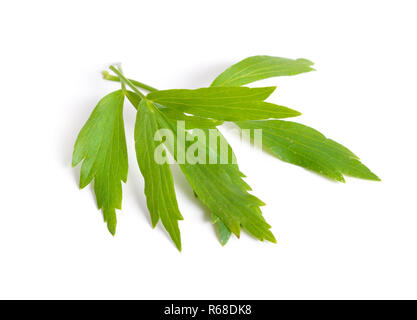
(353, 240)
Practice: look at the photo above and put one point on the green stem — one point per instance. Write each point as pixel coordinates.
(127, 81)
(138, 84)
(122, 82)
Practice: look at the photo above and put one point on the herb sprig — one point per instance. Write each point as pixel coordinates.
(101, 145)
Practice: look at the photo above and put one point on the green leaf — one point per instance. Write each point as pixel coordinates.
(223, 231)
(303, 146)
(221, 188)
(191, 122)
(159, 185)
(133, 98)
(260, 67)
(101, 144)
(223, 103)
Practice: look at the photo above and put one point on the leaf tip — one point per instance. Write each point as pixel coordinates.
(270, 237)
(374, 177)
(223, 242)
(341, 179)
(112, 228)
(109, 215)
(271, 89)
(307, 62)
(177, 241)
(83, 183)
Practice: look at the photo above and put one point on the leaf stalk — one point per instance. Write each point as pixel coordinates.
(108, 76)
